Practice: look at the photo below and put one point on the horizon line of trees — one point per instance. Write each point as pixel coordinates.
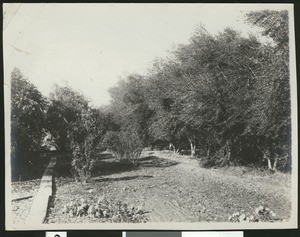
(224, 97)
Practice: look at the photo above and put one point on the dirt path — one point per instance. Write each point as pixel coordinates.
(175, 188)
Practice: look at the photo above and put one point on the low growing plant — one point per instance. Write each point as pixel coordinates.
(106, 210)
(261, 214)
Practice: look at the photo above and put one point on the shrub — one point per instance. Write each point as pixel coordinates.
(125, 145)
(105, 210)
(112, 142)
(132, 145)
(85, 138)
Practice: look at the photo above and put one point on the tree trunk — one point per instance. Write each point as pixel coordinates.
(275, 163)
(269, 163)
(193, 148)
(267, 155)
(194, 151)
(171, 146)
(208, 152)
(228, 151)
(270, 166)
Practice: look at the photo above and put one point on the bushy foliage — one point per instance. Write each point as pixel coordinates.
(132, 145)
(129, 106)
(271, 122)
(27, 120)
(85, 135)
(105, 210)
(66, 105)
(226, 96)
(112, 142)
(274, 24)
(125, 144)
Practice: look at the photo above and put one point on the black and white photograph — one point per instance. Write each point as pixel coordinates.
(150, 116)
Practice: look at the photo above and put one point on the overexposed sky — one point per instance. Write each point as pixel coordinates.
(92, 46)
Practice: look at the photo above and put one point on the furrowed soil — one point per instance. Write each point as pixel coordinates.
(173, 188)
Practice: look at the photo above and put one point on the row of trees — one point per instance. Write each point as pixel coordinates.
(224, 97)
(65, 121)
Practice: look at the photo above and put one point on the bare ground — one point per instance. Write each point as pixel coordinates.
(174, 188)
(21, 208)
(27, 188)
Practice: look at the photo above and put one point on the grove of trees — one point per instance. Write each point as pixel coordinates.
(224, 97)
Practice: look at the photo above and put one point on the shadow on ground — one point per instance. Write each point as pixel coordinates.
(63, 165)
(107, 164)
(156, 162)
(125, 178)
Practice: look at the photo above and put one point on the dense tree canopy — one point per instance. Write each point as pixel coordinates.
(130, 107)
(225, 95)
(27, 119)
(66, 105)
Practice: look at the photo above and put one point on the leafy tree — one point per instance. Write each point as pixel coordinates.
(85, 135)
(129, 106)
(27, 120)
(227, 93)
(125, 144)
(164, 92)
(275, 24)
(272, 121)
(193, 89)
(66, 106)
